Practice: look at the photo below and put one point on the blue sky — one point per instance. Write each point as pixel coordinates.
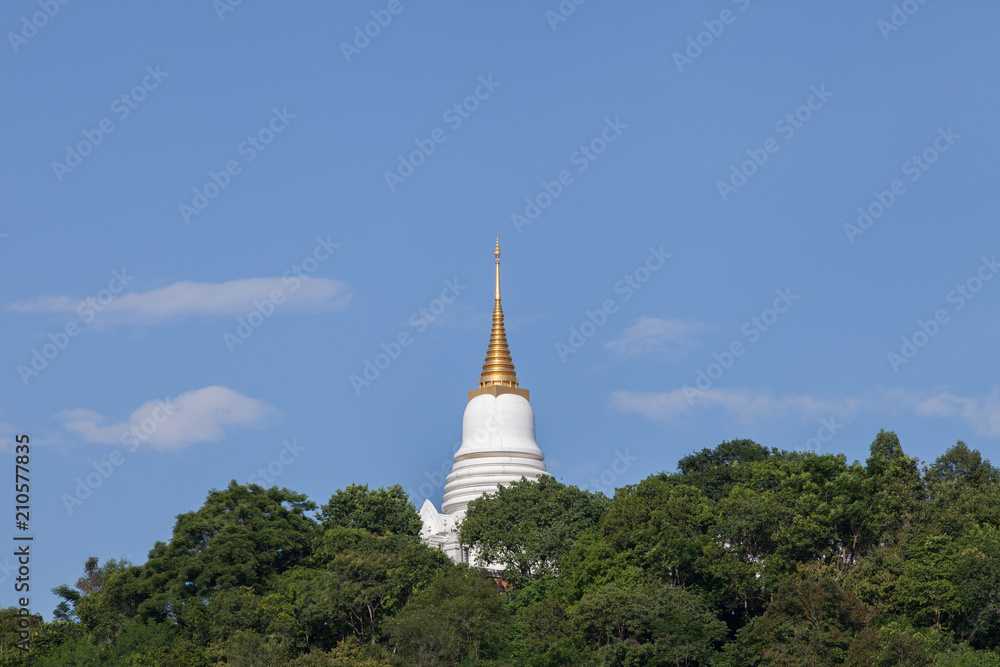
(674, 182)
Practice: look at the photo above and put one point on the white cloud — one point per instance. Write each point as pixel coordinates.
(203, 415)
(6, 437)
(981, 413)
(745, 404)
(235, 297)
(669, 339)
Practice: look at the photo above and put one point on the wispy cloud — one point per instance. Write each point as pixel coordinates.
(657, 337)
(203, 415)
(235, 297)
(6, 437)
(746, 405)
(981, 413)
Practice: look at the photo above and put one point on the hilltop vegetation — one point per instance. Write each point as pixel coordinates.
(745, 555)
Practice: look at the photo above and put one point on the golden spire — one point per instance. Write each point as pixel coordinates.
(496, 254)
(498, 375)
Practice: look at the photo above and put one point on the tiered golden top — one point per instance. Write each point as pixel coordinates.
(498, 375)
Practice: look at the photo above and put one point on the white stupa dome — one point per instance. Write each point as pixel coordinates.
(498, 442)
(498, 447)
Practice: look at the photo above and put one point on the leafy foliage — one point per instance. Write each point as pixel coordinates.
(459, 618)
(744, 556)
(529, 526)
(385, 511)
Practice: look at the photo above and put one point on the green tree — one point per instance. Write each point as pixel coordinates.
(975, 575)
(661, 527)
(385, 511)
(547, 637)
(529, 526)
(354, 580)
(242, 536)
(656, 625)
(460, 618)
(892, 486)
(348, 653)
(246, 648)
(812, 620)
(873, 504)
(714, 470)
(87, 603)
(229, 611)
(896, 643)
(966, 657)
(12, 625)
(963, 491)
(961, 465)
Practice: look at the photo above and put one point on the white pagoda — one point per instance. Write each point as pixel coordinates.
(498, 442)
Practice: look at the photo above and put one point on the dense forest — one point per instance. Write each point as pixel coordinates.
(745, 555)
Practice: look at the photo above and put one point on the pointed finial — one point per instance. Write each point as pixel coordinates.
(498, 374)
(496, 255)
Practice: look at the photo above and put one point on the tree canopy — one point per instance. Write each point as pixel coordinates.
(743, 556)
